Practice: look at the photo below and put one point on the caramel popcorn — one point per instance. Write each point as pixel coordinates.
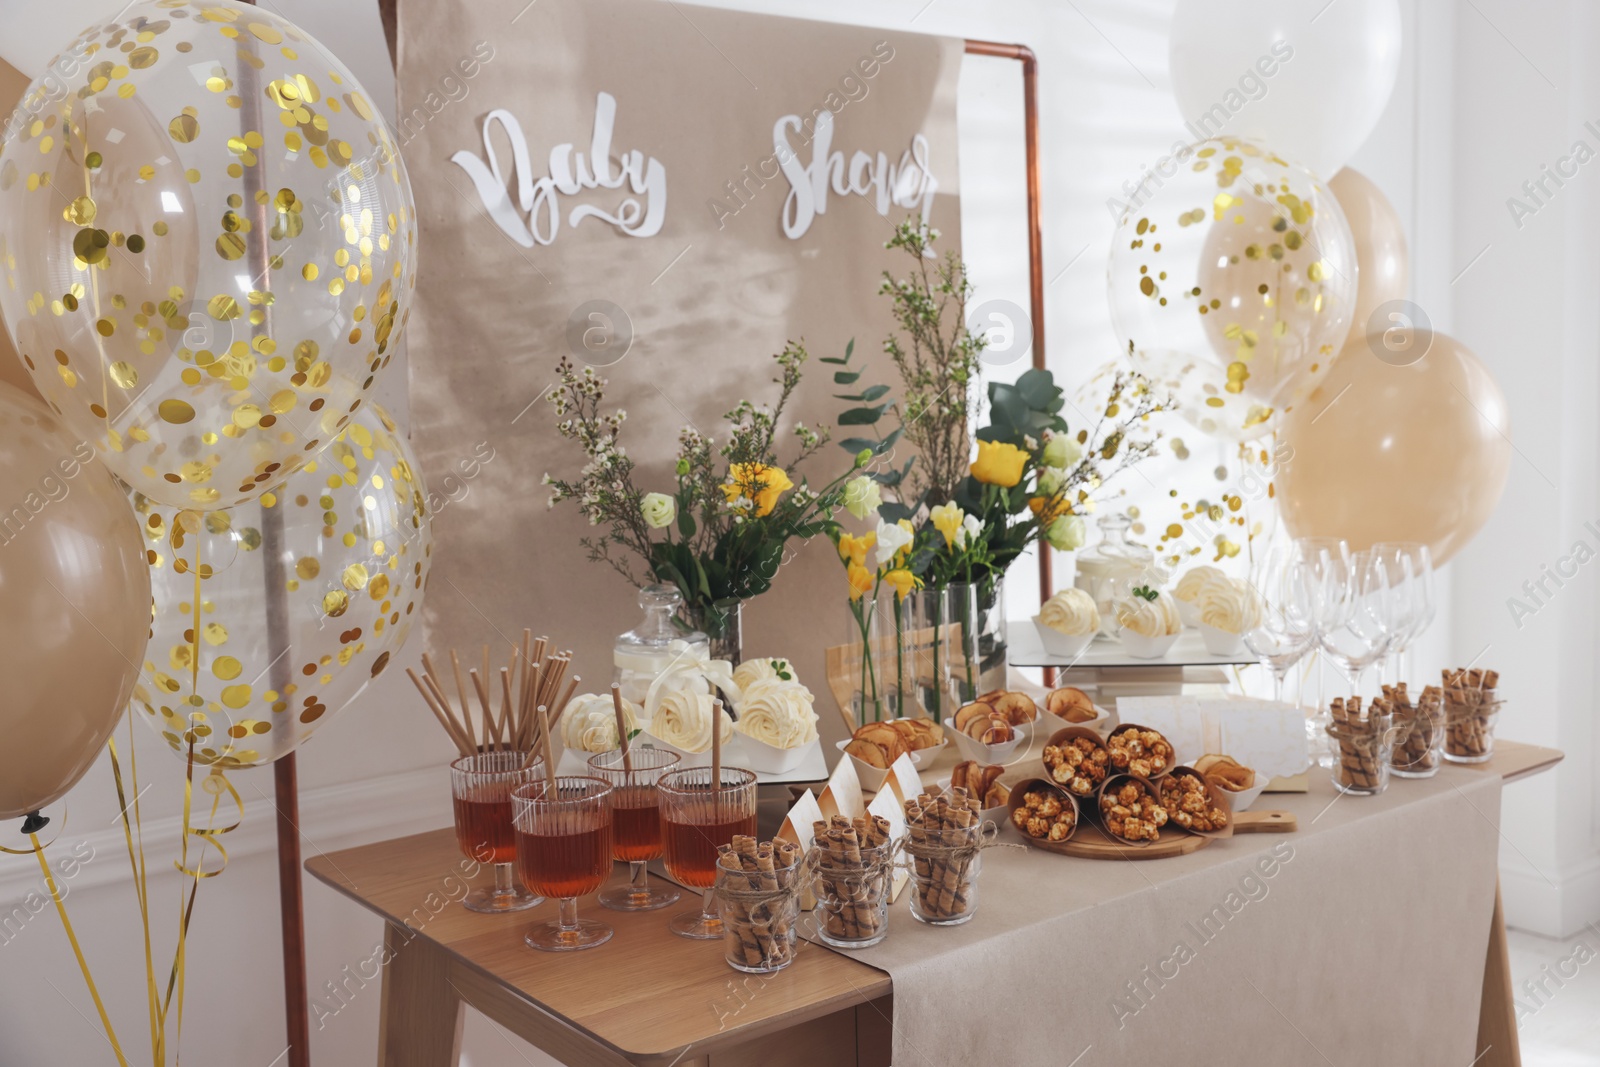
(1139, 751)
(1044, 815)
(1132, 813)
(1079, 764)
(1188, 803)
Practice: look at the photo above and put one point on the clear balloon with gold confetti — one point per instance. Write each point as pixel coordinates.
(270, 617)
(1232, 283)
(207, 246)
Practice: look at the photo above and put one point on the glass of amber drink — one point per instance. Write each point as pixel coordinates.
(697, 815)
(635, 824)
(563, 828)
(481, 786)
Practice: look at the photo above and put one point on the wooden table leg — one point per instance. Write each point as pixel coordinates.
(419, 1024)
(1497, 1009)
(875, 1032)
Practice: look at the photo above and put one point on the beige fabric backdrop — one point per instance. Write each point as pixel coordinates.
(699, 90)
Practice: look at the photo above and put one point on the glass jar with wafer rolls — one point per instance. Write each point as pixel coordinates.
(1363, 746)
(1418, 731)
(944, 839)
(758, 894)
(1470, 711)
(854, 865)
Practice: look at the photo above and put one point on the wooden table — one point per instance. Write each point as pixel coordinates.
(651, 998)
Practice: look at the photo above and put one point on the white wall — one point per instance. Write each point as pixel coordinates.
(1468, 123)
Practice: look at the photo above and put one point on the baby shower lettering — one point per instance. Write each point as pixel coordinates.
(907, 184)
(535, 218)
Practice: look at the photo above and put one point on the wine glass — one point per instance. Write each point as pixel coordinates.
(1411, 564)
(699, 812)
(1355, 615)
(636, 824)
(481, 786)
(564, 850)
(1318, 556)
(1286, 627)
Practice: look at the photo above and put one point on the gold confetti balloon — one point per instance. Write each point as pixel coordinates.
(207, 247)
(270, 617)
(1232, 282)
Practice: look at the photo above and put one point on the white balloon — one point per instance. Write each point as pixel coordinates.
(1308, 77)
(35, 32)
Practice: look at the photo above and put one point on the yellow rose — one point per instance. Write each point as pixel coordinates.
(757, 482)
(861, 581)
(947, 520)
(903, 582)
(853, 550)
(999, 463)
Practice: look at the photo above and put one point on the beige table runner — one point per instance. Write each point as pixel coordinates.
(1360, 939)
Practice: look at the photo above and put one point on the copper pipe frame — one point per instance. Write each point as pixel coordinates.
(1030, 120)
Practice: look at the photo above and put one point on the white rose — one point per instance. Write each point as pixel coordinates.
(862, 496)
(778, 713)
(892, 537)
(590, 722)
(1062, 452)
(683, 720)
(1065, 533)
(659, 510)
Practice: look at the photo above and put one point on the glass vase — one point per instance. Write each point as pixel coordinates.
(924, 640)
(978, 636)
(722, 623)
(870, 662)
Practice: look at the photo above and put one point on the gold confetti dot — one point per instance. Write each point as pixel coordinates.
(227, 668)
(177, 412)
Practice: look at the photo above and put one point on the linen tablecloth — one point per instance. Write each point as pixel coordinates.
(1359, 939)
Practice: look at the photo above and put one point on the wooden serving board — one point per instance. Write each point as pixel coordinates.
(1091, 841)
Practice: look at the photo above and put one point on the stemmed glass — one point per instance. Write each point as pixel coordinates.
(1287, 624)
(1410, 565)
(695, 819)
(636, 823)
(1318, 556)
(481, 786)
(1355, 615)
(564, 850)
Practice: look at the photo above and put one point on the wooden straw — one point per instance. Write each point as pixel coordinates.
(566, 698)
(482, 688)
(622, 726)
(549, 753)
(716, 760)
(461, 689)
(465, 722)
(505, 687)
(438, 713)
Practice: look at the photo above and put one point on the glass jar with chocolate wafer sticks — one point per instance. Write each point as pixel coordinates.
(1363, 746)
(1471, 708)
(855, 878)
(758, 895)
(1418, 731)
(944, 839)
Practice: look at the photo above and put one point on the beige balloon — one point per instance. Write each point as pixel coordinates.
(1385, 266)
(76, 591)
(1393, 447)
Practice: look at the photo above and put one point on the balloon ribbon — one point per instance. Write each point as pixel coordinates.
(77, 950)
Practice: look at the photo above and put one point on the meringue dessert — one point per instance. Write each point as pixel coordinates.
(777, 713)
(1149, 621)
(683, 719)
(1226, 610)
(590, 722)
(1067, 622)
(1191, 588)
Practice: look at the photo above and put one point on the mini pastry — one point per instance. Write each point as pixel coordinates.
(683, 719)
(1148, 612)
(1079, 764)
(1045, 815)
(590, 722)
(1132, 813)
(1071, 704)
(777, 713)
(1225, 772)
(1071, 612)
(1139, 751)
(1189, 804)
